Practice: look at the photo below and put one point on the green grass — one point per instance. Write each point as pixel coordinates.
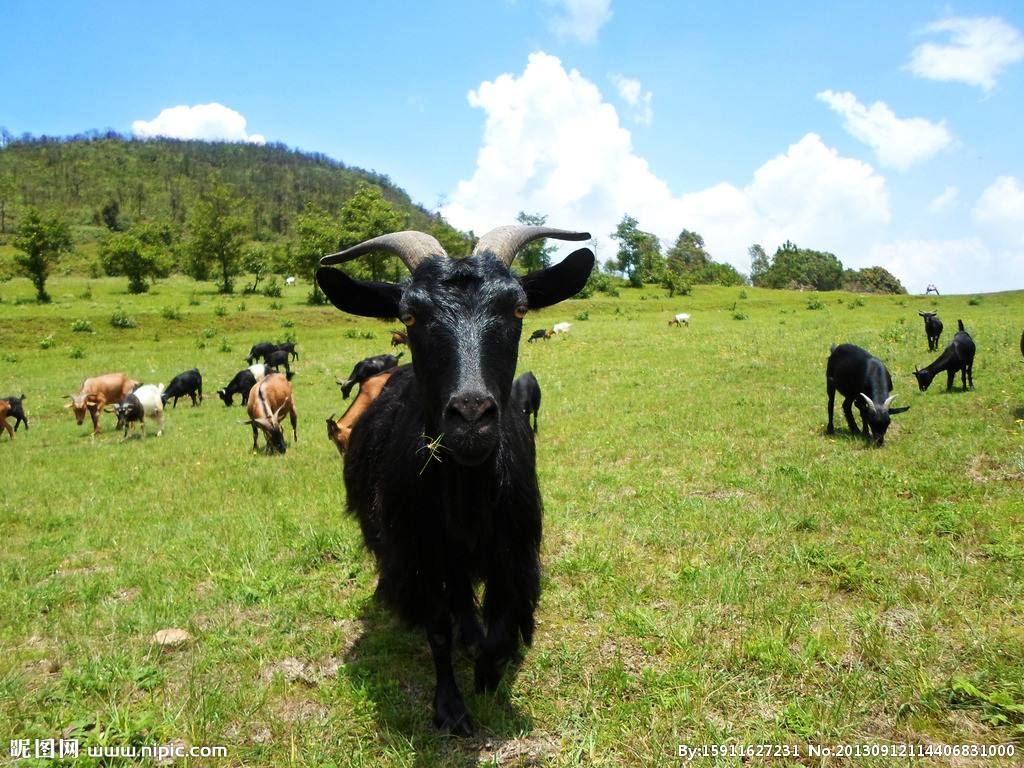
(716, 568)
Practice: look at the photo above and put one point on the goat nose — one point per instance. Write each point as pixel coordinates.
(472, 406)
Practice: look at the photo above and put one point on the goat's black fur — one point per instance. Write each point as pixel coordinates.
(260, 350)
(957, 357)
(242, 382)
(367, 369)
(128, 411)
(932, 328)
(856, 374)
(540, 333)
(526, 396)
(189, 383)
(17, 411)
(440, 470)
(278, 358)
(289, 347)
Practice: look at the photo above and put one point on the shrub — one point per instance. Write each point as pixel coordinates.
(738, 315)
(584, 315)
(224, 346)
(275, 305)
(815, 303)
(241, 306)
(120, 319)
(974, 301)
(46, 342)
(86, 295)
(272, 289)
(193, 300)
(743, 294)
(352, 333)
(81, 326)
(77, 353)
(209, 333)
(220, 311)
(170, 313)
(287, 323)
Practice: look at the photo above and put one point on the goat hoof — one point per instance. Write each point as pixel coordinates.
(830, 430)
(452, 716)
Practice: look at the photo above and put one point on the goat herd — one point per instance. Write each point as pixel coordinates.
(439, 461)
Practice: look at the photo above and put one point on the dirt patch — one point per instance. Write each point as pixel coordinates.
(308, 672)
(85, 570)
(985, 469)
(297, 710)
(634, 658)
(720, 494)
(533, 750)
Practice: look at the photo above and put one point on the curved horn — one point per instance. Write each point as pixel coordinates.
(410, 246)
(888, 402)
(870, 403)
(505, 242)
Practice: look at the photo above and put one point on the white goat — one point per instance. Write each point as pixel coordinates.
(682, 318)
(561, 328)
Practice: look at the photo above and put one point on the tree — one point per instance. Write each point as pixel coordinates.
(759, 263)
(109, 213)
(319, 235)
(216, 232)
(455, 243)
(794, 267)
(124, 253)
(688, 253)
(871, 280)
(256, 263)
(639, 255)
(42, 240)
(535, 255)
(368, 214)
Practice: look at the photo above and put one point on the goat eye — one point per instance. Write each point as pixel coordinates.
(520, 311)
(408, 319)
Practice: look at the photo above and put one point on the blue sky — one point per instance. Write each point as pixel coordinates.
(888, 133)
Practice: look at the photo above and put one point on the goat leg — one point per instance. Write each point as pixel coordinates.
(449, 709)
(831, 428)
(848, 413)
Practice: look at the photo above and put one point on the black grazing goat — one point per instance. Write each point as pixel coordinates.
(958, 356)
(279, 357)
(289, 347)
(540, 333)
(864, 381)
(17, 411)
(526, 396)
(367, 369)
(932, 329)
(440, 470)
(243, 381)
(187, 384)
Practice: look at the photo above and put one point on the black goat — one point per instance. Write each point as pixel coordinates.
(260, 349)
(932, 328)
(276, 359)
(242, 382)
(16, 411)
(187, 384)
(540, 333)
(441, 470)
(526, 396)
(289, 347)
(957, 357)
(367, 369)
(863, 380)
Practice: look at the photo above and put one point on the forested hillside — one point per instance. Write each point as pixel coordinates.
(159, 179)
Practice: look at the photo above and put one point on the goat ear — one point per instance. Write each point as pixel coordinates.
(562, 281)
(359, 297)
(901, 409)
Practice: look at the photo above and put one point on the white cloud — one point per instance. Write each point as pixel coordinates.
(553, 145)
(579, 20)
(632, 92)
(1001, 209)
(945, 201)
(897, 142)
(213, 122)
(963, 265)
(978, 51)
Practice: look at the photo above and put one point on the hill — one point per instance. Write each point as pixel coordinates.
(91, 176)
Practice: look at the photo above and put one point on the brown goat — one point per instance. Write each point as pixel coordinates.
(99, 391)
(5, 408)
(339, 431)
(268, 401)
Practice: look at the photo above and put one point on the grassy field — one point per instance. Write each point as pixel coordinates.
(717, 569)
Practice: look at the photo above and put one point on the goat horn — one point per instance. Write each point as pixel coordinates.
(869, 401)
(888, 401)
(410, 246)
(505, 242)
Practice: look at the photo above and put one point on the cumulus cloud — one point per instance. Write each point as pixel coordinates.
(579, 20)
(212, 122)
(977, 51)
(944, 201)
(632, 92)
(1001, 208)
(962, 265)
(553, 145)
(897, 142)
